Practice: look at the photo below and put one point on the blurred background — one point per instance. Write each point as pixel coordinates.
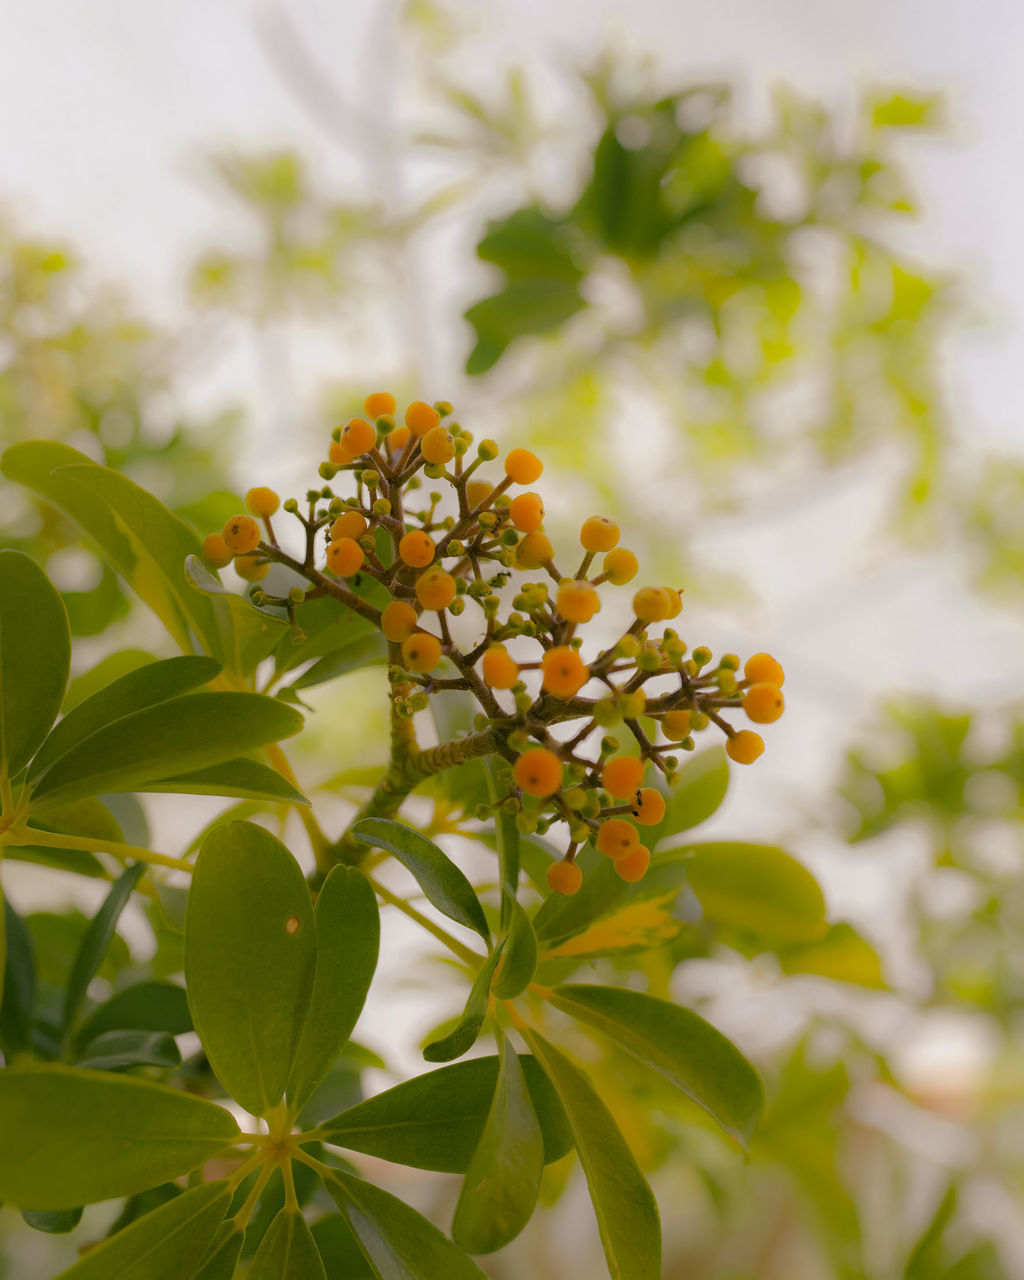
(748, 276)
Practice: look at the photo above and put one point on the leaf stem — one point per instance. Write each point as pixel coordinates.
(466, 954)
(24, 836)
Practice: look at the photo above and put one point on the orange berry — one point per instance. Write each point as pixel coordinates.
(523, 467)
(338, 454)
(633, 865)
(616, 837)
(577, 601)
(564, 877)
(478, 491)
(421, 651)
(620, 566)
(216, 551)
(676, 725)
(252, 568)
(350, 524)
(764, 703)
(675, 602)
(538, 772)
(744, 747)
(648, 807)
(262, 502)
(416, 549)
(345, 557)
(622, 775)
(498, 669)
(241, 534)
(358, 437)
(651, 604)
(435, 589)
(437, 446)
(420, 418)
(526, 511)
(398, 621)
(398, 439)
(565, 672)
(599, 534)
(534, 550)
(763, 669)
(379, 403)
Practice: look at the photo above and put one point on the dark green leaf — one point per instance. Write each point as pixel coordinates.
(245, 778)
(339, 1250)
(175, 737)
(129, 1134)
(501, 1185)
(519, 956)
(221, 1259)
(55, 1222)
(371, 650)
(522, 307)
(35, 656)
(145, 1006)
(108, 669)
(435, 1120)
(347, 928)
(463, 1035)
(94, 946)
(250, 951)
(689, 1052)
(287, 1252)
(166, 1244)
(398, 1242)
(507, 843)
(627, 1215)
(17, 998)
(117, 1050)
(440, 879)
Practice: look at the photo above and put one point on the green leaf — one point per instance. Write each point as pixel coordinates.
(842, 954)
(145, 1006)
(507, 844)
(165, 1244)
(339, 1249)
(18, 994)
(250, 951)
(522, 307)
(35, 657)
(221, 1259)
(440, 879)
(519, 957)
(758, 888)
(501, 1185)
(116, 1050)
(94, 946)
(175, 737)
(128, 1134)
(246, 634)
(347, 930)
(330, 627)
(115, 665)
(245, 778)
(287, 1252)
(371, 650)
(398, 1243)
(463, 1035)
(907, 111)
(689, 1052)
(435, 1121)
(703, 782)
(146, 687)
(627, 1214)
(55, 1222)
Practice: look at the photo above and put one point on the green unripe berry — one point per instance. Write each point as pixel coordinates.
(648, 660)
(369, 477)
(629, 647)
(698, 721)
(609, 745)
(296, 595)
(336, 508)
(385, 424)
(606, 712)
(328, 470)
(336, 434)
(487, 519)
(443, 408)
(434, 470)
(419, 702)
(702, 655)
(457, 607)
(381, 507)
(688, 744)
(730, 662)
(456, 547)
(291, 506)
(488, 450)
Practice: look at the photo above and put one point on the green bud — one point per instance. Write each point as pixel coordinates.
(702, 655)
(385, 424)
(291, 506)
(419, 701)
(328, 471)
(457, 607)
(606, 712)
(296, 595)
(698, 721)
(609, 745)
(510, 806)
(687, 744)
(526, 823)
(648, 660)
(456, 547)
(336, 434)
(369, 477)
(730, 662)
(381, 507)
(442, 407)
(487, 519)
(488, 450)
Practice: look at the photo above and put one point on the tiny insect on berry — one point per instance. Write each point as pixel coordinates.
(350, 524)
(564, 877)
(435, 589)
(241, 534)
(345, 557)
(421, 417)
(523, 467)
(379, 403)
(599, 534)
(534, 551)
(564, 671)
(764, 703)
(763, 669)
(216, 551)
(675, 725)
(620, 566)
(252, 567)
(262, 502)
(633, 865)
(421, 651)
(648, 807)
(616, 837)
(498, 669)
(438, 446)
(621, 776)
(538, 772)
(577, 601)
(358, 437)
(744, 746)
(416, 549)
(526, 511)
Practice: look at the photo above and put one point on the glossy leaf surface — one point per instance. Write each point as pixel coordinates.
(464, 1034)
(287, 1252)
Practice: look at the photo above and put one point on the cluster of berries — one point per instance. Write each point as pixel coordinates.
(517, 650)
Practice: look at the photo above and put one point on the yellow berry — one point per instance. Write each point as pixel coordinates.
(398, 621)
(358, 437)
(744, 747)
(620, 566)
(622, 775)
(435, 589)
(616, 837)
(252, 568)
(564, 877)
(651, 604)
(633, 865)
(534, 550)
(416, 549)
(398, 439)
(216, 551)
(526, 511)
(437, 446)
(674, 601)
(764, 703)
(676, 725)
(523, 467)
(345, 557)
(599, 534)
(648, 807)
(478, 491)
(538, 772)
(241, 534)
(565, 672)
(763, 669)
(378, 404)
(350, 524)
(577, 601)
(338, 454)
(420, 418)
(499, 670)
(262, 502)
(421, 651)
